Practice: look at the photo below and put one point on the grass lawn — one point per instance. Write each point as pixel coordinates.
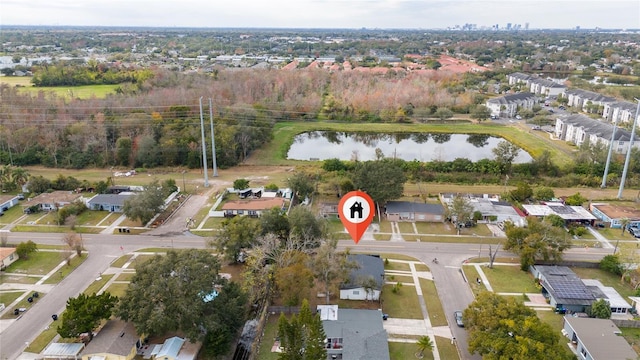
(392, 265)
(130, 223)
(471, 273)
(125, 276)
(446, 349)
(406, 228)
(7, 298)
(91, 218)
(403, 304)
(613, 234)
(117, 289)
(11, 215)
(141, 259)
(385, 226)
(270, 332)
(81, 92)
(632, 335)
(421, 267)
(405, 351)
(434, 306)
(121, 261)
(66, 269)
(39, 263)
(606, 278)
(379, 237)
(4, 278)
(159, 250)
(109, 219)
(433, 228)
(213, 223)
(97, 285)
(555, 321)
(24, 303)
(399, 278)
(509, 279)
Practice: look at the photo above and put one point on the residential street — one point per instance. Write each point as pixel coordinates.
(104, 249)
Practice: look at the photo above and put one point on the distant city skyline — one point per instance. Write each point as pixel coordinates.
(354, 14)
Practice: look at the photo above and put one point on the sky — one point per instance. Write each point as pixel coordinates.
(352, 14)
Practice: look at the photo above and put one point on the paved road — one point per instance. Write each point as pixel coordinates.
(103, 249)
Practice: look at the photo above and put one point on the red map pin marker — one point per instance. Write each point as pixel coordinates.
(356, 211)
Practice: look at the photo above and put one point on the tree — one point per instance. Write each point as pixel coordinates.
(331, 268)
(302, 337)
(504, 328)
(19, 176)
(505, 152)
(459, 211)
(24, 249)
(383, 180)
(84, 313)
(623, 224)
(554, 220)
(275, 222)
(540, 240)
(145, 205)
(544, 193)
(38, 184)
(295, 280)
(301, 184)
(480, 113)
(424, 344)
(183, 292)
(600, 309)
(236, 234)
(443, 113)
(522, 192)
(575, 200)
(240, 184)
(611, 263)
(74, 242)
(306, 227)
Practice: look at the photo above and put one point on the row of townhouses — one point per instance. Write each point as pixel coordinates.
(579, 128)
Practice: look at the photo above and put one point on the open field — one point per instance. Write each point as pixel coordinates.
(76, 92)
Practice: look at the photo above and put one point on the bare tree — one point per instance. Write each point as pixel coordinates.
(4, 239)
(492, 255)
(74, 242)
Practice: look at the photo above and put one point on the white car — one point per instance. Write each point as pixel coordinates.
(518, 117)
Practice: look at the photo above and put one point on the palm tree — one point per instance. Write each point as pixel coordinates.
(19, 176)
(424, 343)
(5, 173)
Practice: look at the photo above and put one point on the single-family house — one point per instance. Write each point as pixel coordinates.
(508, 105)
(570, 214)
(366, 281)
(583, 100)
(596, 339)
(176, 348)
(354, 334)
(60, 351)
(8, 201)
(117, 189)
(618, 305)
(614, 214)
(117, 340)
(8, 256)
(253, 208)
(580, 128)
(564, 290)
(52, 201)
(490, 206)
(621, 112)
(329, 209)
(108, 202)
(413, 211)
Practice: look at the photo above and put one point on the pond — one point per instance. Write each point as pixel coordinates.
(425, 147)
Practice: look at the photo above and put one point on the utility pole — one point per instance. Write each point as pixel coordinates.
(606, 167)
(213, 140)
(204, 147)
(626, 161)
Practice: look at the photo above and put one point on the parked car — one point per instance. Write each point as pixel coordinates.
(458, 316)
(20, 196)
(536, 127)
(518, 117)
(561, 107)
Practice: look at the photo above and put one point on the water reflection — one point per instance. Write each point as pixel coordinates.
(322, 145)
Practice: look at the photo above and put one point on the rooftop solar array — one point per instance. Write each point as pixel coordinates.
(569, 289)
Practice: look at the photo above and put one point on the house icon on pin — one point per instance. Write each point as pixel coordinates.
(356, 208)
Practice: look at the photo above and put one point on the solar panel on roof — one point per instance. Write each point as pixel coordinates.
(563, 209)
(572, 290)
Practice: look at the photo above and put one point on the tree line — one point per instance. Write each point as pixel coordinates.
(94, 73)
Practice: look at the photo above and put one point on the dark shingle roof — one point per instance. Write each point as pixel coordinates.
(565, 286)
(394, 207)
(109, 199)
(509, 98)
(369, 266)
(116, 337)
